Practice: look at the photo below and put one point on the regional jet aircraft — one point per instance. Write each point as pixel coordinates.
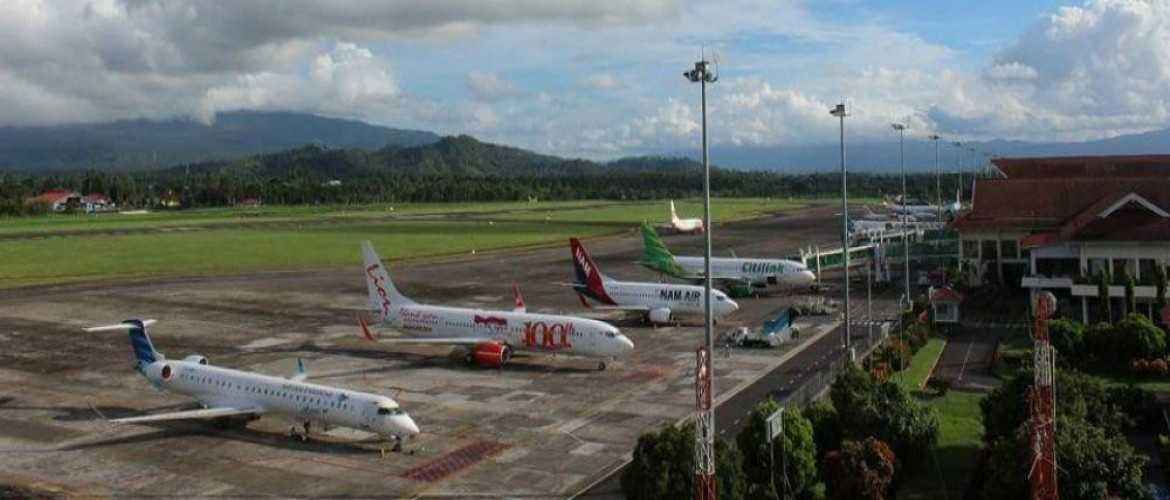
(925, 211)
(694, 226)
(235, 395)
(488, 338)
(736, 274)
(659, 302)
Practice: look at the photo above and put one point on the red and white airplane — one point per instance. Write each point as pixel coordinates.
(658, 302)
(487, 338)
(694, 225)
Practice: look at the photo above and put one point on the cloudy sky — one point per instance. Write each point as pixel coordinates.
(600, 78)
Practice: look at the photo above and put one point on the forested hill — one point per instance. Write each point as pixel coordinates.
(461, 156)
(143, 144)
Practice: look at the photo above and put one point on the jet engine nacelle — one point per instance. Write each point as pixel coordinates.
(660, 315)
(195, 358)
(159, 372)
(491, 354)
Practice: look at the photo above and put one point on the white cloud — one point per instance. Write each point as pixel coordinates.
(486, 86)
(603, 81)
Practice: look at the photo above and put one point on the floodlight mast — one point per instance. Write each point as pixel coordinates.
(705, 413)
(937, 178)
(840, 113)
(901, 128)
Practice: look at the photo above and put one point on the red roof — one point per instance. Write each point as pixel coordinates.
(945, 295)
(1038, 205)
(1084, 166)
(95, 198)
(52, 196)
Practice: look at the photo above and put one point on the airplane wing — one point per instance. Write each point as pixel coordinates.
(205, 413)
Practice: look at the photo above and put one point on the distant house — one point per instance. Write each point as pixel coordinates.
(249, 202)
(945, 303)
(58, 200)
(96, 202)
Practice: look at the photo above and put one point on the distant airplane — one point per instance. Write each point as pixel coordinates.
(659, 302)
(736, 274)
(694, 226)
(925, 211)
(488, 338)
(235, 395)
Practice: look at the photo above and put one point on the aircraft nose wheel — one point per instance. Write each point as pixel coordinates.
(601, 366)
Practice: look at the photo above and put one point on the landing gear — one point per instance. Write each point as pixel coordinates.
(295, 433)
(397, 448)
(601, 366)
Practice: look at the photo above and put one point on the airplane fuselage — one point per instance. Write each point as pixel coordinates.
(522, 331)
(758, 272)
(678, 299)
(302, 401)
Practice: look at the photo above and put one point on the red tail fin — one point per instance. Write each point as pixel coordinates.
(587, 273)
(519, 299)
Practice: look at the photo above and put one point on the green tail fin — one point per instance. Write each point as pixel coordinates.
(655, 255)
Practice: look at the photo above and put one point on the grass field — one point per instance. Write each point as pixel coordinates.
(74, 248)
(959, 434)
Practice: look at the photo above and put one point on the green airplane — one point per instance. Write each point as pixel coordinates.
(738, 275)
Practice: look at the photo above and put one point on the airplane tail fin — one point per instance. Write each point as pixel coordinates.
(378, 284)
(673, 214)
(144, 352)
(655, 255)
(590, 281)
(520, 307)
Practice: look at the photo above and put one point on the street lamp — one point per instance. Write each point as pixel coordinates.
(905, 214)
(705, 420)
(937, 178)
(840, 113)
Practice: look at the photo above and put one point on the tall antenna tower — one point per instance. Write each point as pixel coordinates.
(1042, 404)
(704, 371)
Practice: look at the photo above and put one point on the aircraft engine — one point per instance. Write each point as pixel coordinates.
(491, 354)
(195, 358)
(159, 372)
(660, 315)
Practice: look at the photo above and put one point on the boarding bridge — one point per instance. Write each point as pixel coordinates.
(930, 244)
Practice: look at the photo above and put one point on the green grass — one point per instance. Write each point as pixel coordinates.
(233, 251)
(722, 210)
(913, 378)
(959, 434)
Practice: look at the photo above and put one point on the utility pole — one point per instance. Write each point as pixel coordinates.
(959, 167)
(840, 113)
(905, 214)
(705, 374)
(937, 178)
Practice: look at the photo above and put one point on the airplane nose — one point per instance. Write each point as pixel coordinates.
(405, 425)
(807, 277)
(731, 307)
(626, 344)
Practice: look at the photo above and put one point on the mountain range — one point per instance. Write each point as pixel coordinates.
(143, 144)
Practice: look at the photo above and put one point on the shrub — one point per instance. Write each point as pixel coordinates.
(883, 410)
(1137, 337)
(663, 466)
(863, 470)
(1068, 337)
(1139, 366)
(1158, 367)
(940, 386)
(795, 447)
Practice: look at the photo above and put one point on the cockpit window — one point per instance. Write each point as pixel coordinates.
(610, 334)
(719, 298)
(389, 411)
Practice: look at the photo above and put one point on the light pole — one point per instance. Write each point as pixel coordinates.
(840, 113)
(959, 167)
(905, 215)
(705, 420)
(937, 178)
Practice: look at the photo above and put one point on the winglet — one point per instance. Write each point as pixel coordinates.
(301, 374)
(366, 330)
(520, 307)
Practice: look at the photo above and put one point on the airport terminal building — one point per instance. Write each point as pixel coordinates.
(1056, 223)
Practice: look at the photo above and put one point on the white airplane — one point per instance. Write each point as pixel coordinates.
(659, 302)
(694, 226)
(925, 211)
(228, 394)
(488, 337)
(737, 274)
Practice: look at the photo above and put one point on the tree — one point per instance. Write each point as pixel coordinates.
(883, 410)
(794, 449)
(1068, 337)
(663, 466)
(861, 470)
(1106, 304)
(1138, 338)
(1130, 302)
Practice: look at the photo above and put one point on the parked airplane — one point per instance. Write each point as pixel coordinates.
(659, 302)
(235, 395)
(925, 211)
(694, 226)
(737, 275)
(488, 337)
